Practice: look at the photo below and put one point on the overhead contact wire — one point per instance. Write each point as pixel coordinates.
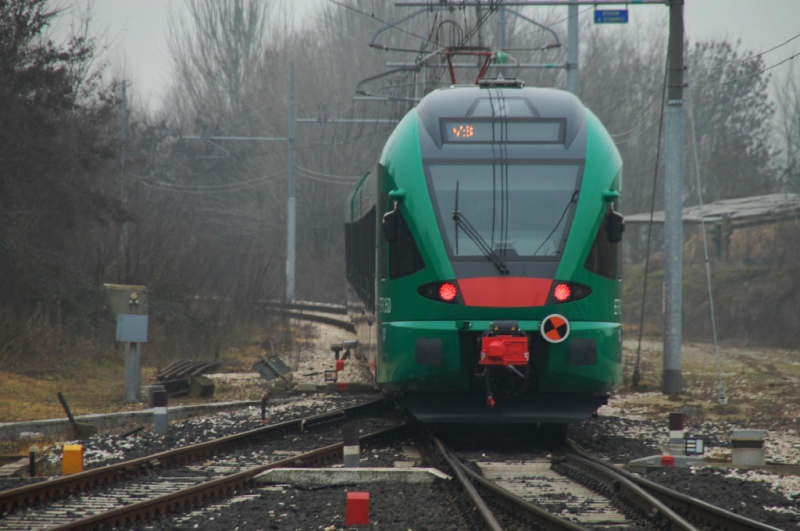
(636, 368)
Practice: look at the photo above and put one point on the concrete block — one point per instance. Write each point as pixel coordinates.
(150, 390)
(748, 447)
(306, 387)
(201, 387)
(652, 462)
(334, 477)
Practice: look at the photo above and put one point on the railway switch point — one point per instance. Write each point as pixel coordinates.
(357, 508)
(72, 460)
(668, 460)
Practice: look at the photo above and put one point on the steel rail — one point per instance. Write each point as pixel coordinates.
(299, 310)
(64, 486)
(652, 507)
(521, 507)
(306, 306)
(489, 521)
(205, 493)
(693, 508)
(303, 316)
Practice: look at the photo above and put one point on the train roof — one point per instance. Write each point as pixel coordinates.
(491, 102)
(487, 101)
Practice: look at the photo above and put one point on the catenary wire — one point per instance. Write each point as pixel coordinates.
(720, 387)
(743, 59)
(327, 181)
(636, 367)
(206, 189)
(638, 135)
(728, 82)
(644, 122)
(372, 16)
(319, 174)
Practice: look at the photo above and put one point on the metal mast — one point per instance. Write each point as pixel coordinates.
(290, 207)
(573, 85)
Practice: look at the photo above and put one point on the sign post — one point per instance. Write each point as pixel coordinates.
(130, 305)
(611, 16)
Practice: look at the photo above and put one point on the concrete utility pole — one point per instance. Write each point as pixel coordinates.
(123, 154)
(290, 207)
(673, 204)
(291, 215)
(573, 85)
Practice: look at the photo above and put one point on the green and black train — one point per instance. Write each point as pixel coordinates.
(483, 258)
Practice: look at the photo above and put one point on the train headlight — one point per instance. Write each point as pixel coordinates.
(563, 291)
(446, 291)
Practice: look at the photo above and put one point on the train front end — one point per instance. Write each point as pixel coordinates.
(497, 282)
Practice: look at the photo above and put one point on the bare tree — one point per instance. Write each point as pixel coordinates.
(788, 129)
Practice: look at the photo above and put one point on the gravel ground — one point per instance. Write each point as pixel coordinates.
(760, 387)
(405, 507)
(628, 428)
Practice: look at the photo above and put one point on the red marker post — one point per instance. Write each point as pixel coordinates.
(357, 508)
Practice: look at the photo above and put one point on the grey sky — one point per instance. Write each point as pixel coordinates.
(136, 30)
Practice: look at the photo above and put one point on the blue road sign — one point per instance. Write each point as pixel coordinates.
(611, 16)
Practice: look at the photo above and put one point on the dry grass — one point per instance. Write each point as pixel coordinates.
(92, 387)
(88, 388)
(759, 383)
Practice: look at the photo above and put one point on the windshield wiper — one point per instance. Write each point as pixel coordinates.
(573, 199)
(475, 236)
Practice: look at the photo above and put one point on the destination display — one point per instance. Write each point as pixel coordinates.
(488, 131)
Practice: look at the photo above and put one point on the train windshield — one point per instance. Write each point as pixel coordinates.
(514, 210)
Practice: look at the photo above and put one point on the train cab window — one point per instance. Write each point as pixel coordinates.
(404, 257)
(604, 256)
(521, 211)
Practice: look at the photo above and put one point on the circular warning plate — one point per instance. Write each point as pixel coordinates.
(554, 328)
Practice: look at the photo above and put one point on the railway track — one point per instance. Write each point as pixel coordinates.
(525, 491)
(316, 312)
(169, 481)
(670, 505)
(603, 495)
(511, 495)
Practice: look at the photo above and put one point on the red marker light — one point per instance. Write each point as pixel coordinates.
(448, 291)
(562, 292)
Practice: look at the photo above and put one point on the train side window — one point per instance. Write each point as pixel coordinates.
(404, 257)
(604, 256)
(360, 241)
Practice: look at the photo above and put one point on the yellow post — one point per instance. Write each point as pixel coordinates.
(72, 460)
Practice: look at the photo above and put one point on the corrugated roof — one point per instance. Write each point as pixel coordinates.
(741, 212)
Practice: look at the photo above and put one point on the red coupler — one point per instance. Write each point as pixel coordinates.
(504, 350)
